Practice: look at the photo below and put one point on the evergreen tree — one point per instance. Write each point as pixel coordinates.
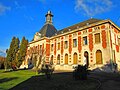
(12, 51)
(22, 51)
(5, 62)
(16, 54)
(16, 48)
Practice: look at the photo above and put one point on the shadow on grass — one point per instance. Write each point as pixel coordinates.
(7, 79)
(58, 81)
(64, 81)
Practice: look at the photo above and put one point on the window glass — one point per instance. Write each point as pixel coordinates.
(52, 47)
(74, 42)
(97, 38)
(58, 46)
(66, 44)
(85, 40)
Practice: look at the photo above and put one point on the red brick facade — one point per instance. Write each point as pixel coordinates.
(47, 47)
(55, 47)
(96, 40)
(79, 42)
(104, 43)
(90, 42)
(70, 43)
(62, 45)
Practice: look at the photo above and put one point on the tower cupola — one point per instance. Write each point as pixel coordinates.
(49, 17)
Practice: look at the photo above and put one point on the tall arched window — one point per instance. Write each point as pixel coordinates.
(51, 60)
(75, 58)
(99, 57)
(40, 59)
(35, 60)
(66, 58)
(58, 59)
(86, 58)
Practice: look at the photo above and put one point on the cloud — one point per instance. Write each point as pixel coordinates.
(28, 18)
(18, 6)
(4, 8)
(93, 7)
(2, 52)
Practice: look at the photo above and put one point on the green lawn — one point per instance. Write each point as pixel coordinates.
(11, 79)
(58, 82)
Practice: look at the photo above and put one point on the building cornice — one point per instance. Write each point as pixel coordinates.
(43, 38)
(86, 27)
(79, 29)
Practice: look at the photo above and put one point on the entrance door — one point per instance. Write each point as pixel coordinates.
(58, 59)
(75, 58)
(51, 61)
(98, 57)
(87, 58)
(66, 58)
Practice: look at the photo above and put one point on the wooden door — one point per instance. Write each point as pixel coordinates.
(66, 58)
(98, 57)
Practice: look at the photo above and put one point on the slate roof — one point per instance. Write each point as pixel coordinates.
(47, 30)
(81, 24)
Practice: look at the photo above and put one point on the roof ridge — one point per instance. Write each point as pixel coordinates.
(81, 24)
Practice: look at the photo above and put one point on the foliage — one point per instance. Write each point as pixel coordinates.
(17, 52)
(80, 73)
(16, 48)
(38, 62)
(2, 60)
(47, 69)
(12, 51)
(22, 51)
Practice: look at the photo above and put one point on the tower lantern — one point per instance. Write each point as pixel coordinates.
(49, 17)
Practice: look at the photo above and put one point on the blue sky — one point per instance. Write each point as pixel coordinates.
(25, 17)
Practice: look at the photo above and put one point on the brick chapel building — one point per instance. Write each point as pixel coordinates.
(96, 40)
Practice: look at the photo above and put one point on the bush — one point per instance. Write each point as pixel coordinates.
(48, 70)
(80, 73)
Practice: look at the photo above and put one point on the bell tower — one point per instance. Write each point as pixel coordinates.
(49, 17)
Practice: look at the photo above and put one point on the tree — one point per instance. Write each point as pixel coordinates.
(2, 60)
(12, 51)
(16, 48)
(22, 51)
(41, 65)
(5, 62)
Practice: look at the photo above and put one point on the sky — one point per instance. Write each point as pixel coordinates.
(26, 17)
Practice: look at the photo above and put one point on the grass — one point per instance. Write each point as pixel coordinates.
(11, 79)
(22, 79)
(63, 81)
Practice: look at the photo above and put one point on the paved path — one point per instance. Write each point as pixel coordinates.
(109, 81)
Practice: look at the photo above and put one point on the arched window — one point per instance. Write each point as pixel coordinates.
(58, 59)
(34, 60)
(66, 58)
(51, 60)
(75, 58)
(99, 57)
(40, 59)
(86, 58)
